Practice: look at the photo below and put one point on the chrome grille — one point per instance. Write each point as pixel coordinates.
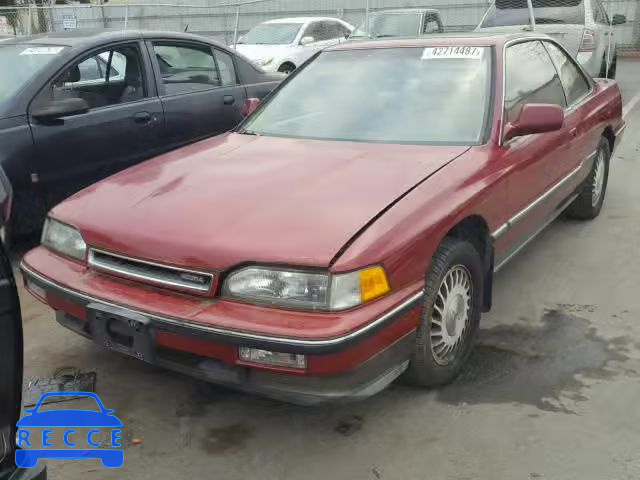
(149, 272)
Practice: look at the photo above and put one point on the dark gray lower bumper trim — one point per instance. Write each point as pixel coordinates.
(367, 379)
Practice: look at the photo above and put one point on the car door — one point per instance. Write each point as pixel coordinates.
(122, 126)
(583, 139)
(530, 77)
(199, 89)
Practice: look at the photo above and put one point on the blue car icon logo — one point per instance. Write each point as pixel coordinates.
(36, 432)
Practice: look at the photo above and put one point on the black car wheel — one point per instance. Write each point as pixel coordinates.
(450, 316)
(612, 68)
(287, 68)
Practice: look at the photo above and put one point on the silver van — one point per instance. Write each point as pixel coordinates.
(582, 26)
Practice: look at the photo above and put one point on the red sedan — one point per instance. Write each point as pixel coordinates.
(347, 232)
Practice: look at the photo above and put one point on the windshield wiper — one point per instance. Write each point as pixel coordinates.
(248, 132)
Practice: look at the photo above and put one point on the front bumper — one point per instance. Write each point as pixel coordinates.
(363, 381)
(351, 366)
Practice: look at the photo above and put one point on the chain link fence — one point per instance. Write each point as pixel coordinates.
(226, 21)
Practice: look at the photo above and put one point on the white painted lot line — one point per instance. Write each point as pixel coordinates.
(630, 104)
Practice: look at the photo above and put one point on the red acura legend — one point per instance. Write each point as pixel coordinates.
(347, 232)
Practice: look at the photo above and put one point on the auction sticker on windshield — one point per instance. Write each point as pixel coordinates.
(474, 53)
(42, 51)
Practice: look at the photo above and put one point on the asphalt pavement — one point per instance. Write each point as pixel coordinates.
(551, 391)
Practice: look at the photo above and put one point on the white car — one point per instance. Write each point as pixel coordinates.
(283, 45)
(582, 26)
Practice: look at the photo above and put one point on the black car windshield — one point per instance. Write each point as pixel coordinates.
(434, 95)
(405, 24)
(272, 34)
(18, 63)
(516, 12)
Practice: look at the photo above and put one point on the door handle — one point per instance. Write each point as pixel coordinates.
(229, 99)
(573, 132)
(142, 117)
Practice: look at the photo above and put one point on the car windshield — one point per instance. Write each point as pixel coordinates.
(515, 12)
(272, 34)
(389, 25)
(434, 95)
(18, 63)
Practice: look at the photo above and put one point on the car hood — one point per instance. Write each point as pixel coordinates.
(259, 52)
(240, 198)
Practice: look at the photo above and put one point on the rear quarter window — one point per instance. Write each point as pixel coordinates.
(515, 12)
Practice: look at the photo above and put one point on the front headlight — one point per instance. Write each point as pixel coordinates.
(63, 239)
(263, 62)
(307, 290)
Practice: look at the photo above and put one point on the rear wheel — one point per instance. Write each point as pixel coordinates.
(450, 316)
(612, 68)
(592, 192)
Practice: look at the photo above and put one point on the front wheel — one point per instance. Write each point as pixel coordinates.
(287, 68)
(450, 315)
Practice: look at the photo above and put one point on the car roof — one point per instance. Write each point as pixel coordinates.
(299, 19)
(473, 38)
(89, 38)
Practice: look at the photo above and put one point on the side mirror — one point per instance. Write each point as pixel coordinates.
(249, 106)
(535, 118)
(60, 108)
(618, 19)
(307, 40)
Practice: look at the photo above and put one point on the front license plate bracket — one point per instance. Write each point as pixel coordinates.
(122, 330)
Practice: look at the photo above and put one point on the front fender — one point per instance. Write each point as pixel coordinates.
(406, 236)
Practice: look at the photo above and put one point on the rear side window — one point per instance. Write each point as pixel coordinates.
(574, 82)
(530, 78)
(186, 69)
(227, 70)
(516, 12)
(319, 31)
(336, 30)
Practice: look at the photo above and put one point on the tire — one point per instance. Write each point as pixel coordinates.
(287, 68)
(603, 68)
(455, 264)
(613, 67)
(591, 198)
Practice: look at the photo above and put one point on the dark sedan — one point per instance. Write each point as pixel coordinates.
(78, 106)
